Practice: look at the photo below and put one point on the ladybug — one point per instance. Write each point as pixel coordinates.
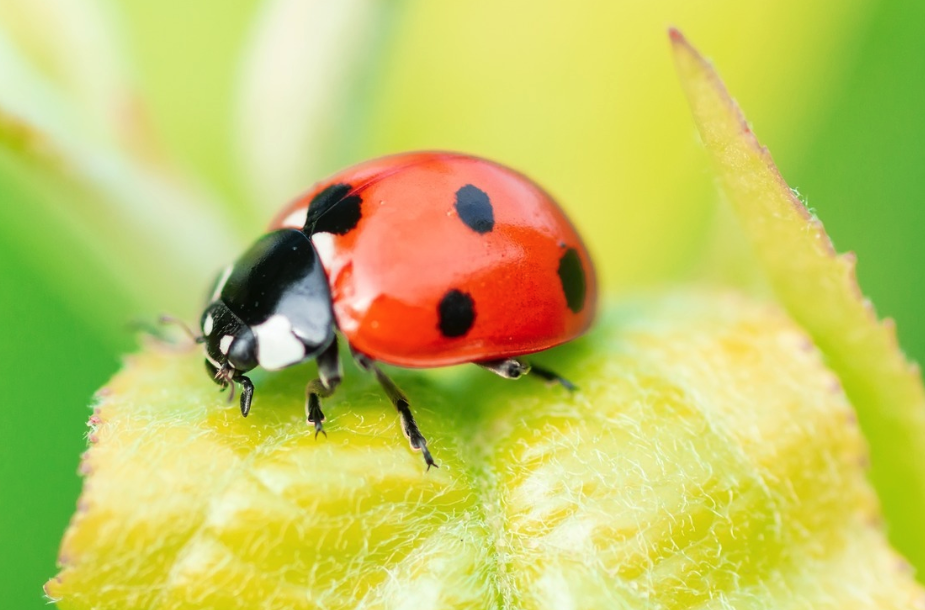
(419, 260)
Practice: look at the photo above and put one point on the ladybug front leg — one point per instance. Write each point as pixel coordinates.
(226, 377)
(247, 394)
(329, 376)
(398, 398)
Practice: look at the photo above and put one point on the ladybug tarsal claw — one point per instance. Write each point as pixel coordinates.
(313, 413)
(427, 458)
(329, 375)
(247, 394)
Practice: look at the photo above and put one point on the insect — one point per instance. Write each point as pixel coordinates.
(419, 260)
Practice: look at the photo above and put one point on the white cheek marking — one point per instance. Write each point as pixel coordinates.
(296, 220)
(277, 347)
(212, 360)
(207, 325)
(225, 344)
(324, 246)
(221, 283)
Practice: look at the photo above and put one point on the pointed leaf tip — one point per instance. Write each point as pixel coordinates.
(676, 36)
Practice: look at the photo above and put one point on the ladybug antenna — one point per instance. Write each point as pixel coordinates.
(166, 319)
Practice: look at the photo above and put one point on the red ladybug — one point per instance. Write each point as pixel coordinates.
(420, 260)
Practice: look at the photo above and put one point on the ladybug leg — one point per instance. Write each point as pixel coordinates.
(509, 368)
(329, 376)
(553, 377)
(247, 394)
(512, 368)
(398, 398)
(224, 379)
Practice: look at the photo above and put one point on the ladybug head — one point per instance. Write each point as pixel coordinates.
(230, 351)
(229, 341)
(271, 308)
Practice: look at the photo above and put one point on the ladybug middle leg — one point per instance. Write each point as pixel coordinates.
(398, 398)
(514, 368)
(329, 377)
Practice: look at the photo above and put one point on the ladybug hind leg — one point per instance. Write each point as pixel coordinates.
(329, 377)
(509, 368)
(514, 368)
(400, 401)
(553, 377)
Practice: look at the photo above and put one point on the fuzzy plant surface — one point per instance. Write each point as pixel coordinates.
(709, 457)
(712, 457)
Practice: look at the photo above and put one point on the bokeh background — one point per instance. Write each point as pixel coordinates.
(142, 144)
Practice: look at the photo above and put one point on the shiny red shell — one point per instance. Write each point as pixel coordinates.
(529, 278)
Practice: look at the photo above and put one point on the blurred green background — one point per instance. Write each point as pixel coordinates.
(142, 143)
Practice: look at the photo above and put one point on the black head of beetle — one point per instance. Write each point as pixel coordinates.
(271, 308)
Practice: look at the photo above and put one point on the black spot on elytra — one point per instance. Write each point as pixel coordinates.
(456, 312)
(572, 277)
(333, 210)
(474, 209)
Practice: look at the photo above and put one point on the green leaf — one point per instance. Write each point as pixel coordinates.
(819, 289)
(708, 458)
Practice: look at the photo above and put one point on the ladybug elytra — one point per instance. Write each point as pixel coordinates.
(419, 260)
